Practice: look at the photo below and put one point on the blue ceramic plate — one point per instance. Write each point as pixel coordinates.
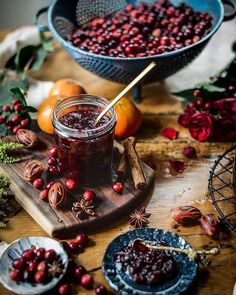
(14, 251)
(122, 283)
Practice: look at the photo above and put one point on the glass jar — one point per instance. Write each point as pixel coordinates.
(84, 151)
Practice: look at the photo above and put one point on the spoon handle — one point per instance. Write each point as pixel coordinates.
(124, 91)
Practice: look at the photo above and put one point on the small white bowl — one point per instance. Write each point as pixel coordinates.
(14, 250)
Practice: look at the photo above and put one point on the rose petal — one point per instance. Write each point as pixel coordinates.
(183, 119)
(170, 133)
(189, 152)
(178, 166)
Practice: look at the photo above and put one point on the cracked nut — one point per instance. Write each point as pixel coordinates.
(26, 137)
(57, 196)
(33, 169)
(186, 215)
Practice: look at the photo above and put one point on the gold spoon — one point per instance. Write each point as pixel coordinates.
(192, 254)
(124, 91)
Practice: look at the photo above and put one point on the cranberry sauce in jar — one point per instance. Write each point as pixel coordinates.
(84, 151)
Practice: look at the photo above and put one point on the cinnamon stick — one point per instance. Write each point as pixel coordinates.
(122, 168)
(135, 163)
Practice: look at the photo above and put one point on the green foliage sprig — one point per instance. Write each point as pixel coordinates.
(5, 148)
(6, 207)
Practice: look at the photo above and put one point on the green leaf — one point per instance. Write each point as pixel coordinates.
(6, 95)
(18, 93)
(30, 109)
(187, 93)
(213, 88)
(2, 224)
(40, 56)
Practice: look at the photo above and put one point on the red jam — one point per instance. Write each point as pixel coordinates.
(84, 151)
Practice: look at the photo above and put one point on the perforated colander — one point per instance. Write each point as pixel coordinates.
(64, 16)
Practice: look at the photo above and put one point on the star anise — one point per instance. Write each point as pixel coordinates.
(83, 207)
(139, 218)
(56, 268)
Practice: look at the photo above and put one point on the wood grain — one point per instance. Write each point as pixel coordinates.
(160, 110)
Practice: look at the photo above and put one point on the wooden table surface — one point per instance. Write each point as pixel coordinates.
(160, 110)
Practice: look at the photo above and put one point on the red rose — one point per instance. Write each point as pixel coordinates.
(200, 126)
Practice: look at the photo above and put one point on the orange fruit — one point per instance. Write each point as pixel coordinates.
(45, 113)
(129, 118)
(67, 87)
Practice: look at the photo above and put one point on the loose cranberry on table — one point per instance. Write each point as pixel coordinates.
(143, 30)
(71, 184)
(53, 152)
(86, 281)
(100, 290)
(64, 289)
(117, 187)
(79, 271)
(43, 195)
(74, 246)
(38, 183)
(81, 239)
(89, 195)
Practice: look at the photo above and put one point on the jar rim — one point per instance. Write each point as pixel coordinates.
(81, 99)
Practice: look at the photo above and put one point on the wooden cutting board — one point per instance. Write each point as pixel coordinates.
(109, 206)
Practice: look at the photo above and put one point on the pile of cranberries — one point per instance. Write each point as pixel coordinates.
(143, 30)
(79, 272)
(145, 266)
(33, 266)
(14, 116)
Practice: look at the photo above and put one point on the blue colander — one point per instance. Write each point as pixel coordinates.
(64, 16)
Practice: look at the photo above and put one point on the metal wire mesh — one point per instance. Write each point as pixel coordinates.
(221, 189)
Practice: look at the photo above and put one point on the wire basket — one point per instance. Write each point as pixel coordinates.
(221, 190)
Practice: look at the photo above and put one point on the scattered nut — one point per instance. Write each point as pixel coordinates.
(57, 196)
(26, 137)
(33, 169)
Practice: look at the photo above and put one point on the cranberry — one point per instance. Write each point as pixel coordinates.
(117, 187)
(6, 108)
(28, 254)
(53, 152)
(50, 255)
(197, 93)
(15, 275)
(74, 246)
(42, 266)
(199, 103)
(89, 195)
(15, 129)
(40, 253)
(86, 281)
(192, 105)
(43, 195)
(64, 289)
(18, 107)
(70, 184)
(15, 101)
(15, 119)
(51, 161)
(18, 263)
(38, 183)
(79, 271)
(53, 170)
(33, 265)
(2, 120)
(24, 123)
(40, 276)
(81, 239)
(101, 290)
(208, 105)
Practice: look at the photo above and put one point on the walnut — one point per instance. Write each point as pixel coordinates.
(57, 196)
(26, 137)
(33, 169)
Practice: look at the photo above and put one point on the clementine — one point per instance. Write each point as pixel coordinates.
(45, 113)
(129, 118)
(67, 87)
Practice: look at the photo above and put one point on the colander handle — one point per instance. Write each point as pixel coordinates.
(230, 9)
(41, 28)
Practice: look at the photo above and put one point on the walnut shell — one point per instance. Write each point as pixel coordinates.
(186, 214)
(57, 195)
(26, 137)
(33, 169)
